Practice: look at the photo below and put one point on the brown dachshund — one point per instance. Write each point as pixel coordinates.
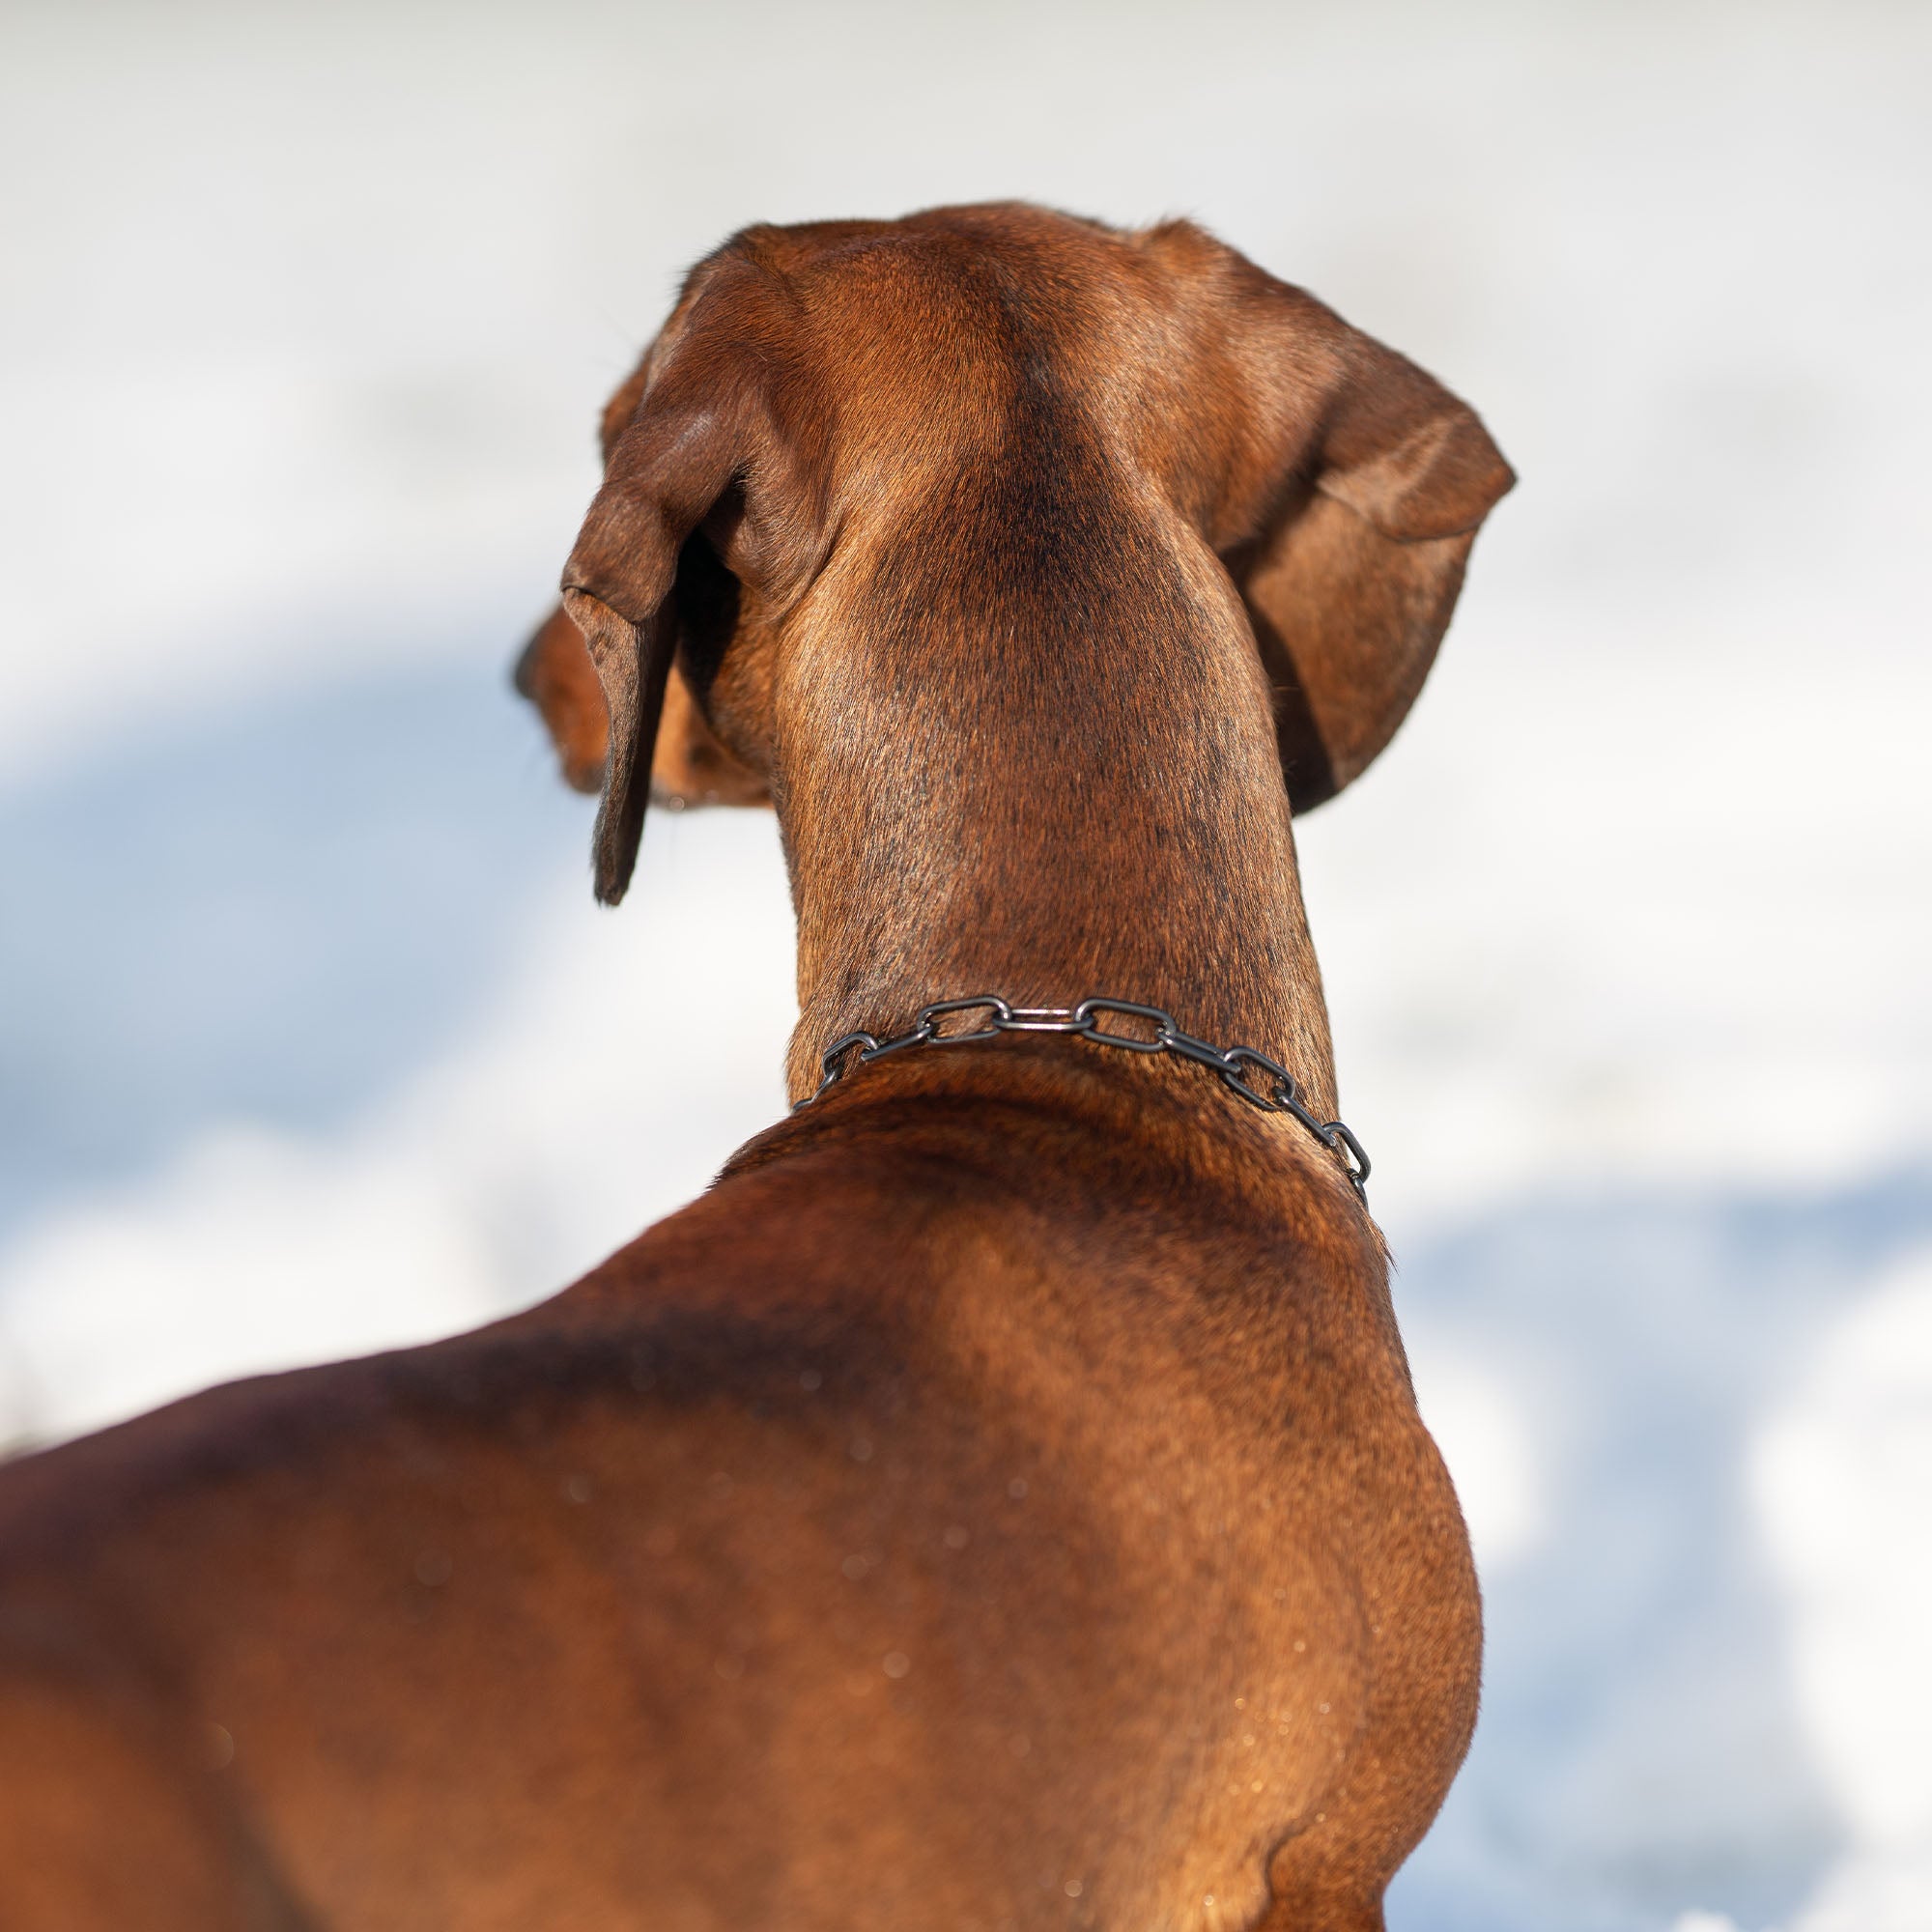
(1000, 1500)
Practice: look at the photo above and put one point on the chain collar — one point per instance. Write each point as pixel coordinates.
(1259, 1081)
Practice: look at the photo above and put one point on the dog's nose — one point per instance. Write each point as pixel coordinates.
(523, 673)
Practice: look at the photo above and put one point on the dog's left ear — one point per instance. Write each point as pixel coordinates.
(1349, 550)
(706, 445)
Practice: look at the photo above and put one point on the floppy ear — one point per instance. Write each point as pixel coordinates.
(695, 430)
(632, 661)
(1352, 575)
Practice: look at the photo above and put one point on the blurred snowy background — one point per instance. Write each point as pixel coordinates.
(307, 1021)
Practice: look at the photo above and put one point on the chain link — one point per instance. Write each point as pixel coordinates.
(1259, 1081)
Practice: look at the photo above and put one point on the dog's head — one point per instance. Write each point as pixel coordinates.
(801, 413)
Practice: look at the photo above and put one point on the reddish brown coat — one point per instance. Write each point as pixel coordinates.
(1000, 1500)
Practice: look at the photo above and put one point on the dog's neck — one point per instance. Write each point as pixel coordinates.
(1072, 788)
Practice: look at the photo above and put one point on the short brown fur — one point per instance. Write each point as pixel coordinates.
(1000, 1500)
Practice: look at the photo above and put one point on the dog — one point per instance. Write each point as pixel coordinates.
(1000, 1500)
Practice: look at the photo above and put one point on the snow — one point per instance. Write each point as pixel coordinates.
(305, 321)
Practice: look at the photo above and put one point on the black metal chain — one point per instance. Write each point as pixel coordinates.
(1239, 1066)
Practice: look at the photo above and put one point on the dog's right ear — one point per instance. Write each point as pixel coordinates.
(703, 443)
(1357, 522)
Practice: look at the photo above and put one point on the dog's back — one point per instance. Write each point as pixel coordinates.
(1000, 1500)
(929, 1545)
